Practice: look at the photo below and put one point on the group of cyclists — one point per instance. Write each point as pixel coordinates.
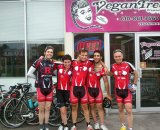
(78, 82)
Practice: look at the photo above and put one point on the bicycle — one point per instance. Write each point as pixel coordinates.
(4, 98)
(17, 111)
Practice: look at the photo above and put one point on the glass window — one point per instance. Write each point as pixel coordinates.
(37, 50)
(12, 63)
(45, 26)
(150, 89)
(150, 51)
(45, 20)
(91, 42)
(125, 42)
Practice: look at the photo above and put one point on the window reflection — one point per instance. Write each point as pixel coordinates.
(150, 52)
(12, 60)
(150, 89)
(37, 50)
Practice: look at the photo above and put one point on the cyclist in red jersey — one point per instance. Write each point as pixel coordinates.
(44, 69)
(64, 73)
(121, 71)
(96, 72)
(78, 90)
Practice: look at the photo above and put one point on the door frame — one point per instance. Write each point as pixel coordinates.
(107, 62)
(137, 62)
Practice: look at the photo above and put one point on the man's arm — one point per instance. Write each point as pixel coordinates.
(109, 73)
(104, 66)
(106, 83)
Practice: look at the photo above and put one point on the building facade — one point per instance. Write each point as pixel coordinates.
(27, 26)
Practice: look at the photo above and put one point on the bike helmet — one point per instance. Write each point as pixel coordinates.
(106, 103)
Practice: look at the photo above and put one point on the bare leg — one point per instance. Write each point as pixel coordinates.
(74, 112)
(47, 111)
(128, 108)
(41, 112)
(121, 113)
(64, 115)
(93, 112)
(86, 112)
(100, 112)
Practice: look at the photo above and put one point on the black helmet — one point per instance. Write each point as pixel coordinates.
(106, 103)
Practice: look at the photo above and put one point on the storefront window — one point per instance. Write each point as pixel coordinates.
(37, 50)
(12, 60)
(150, 70)
(150, 90)
(150, 52)
(45, 20)
(12, 63)
(90, 42)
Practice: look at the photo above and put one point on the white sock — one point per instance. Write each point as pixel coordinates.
(123, 124)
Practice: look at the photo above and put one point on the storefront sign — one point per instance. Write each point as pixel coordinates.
(112, 15)
(150, 51)
(91, 44)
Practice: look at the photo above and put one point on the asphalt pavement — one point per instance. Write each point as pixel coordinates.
(142, 121)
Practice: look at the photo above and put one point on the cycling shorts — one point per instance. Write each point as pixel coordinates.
(123, 96)
(95, 95)
(78, 93)
(45, 96)
(62, 98)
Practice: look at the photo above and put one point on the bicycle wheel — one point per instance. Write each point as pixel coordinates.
(33, 119)
(55, 116)
(14, 112)
(2, 120)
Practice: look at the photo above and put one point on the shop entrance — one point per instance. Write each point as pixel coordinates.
(125, 42)
(148, 63)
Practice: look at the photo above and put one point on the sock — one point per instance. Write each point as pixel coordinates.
(46, 125)
(123, 124)
(41, 126)
(75, 124)
(65, 125)
(88, 123)
(130, 128)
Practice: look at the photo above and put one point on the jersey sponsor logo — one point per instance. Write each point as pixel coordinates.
(47, 70)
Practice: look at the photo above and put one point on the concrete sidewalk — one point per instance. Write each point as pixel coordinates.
(141, 122)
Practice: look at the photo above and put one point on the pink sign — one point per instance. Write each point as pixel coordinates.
(112, 15)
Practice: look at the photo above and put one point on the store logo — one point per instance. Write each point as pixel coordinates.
(114, 7)
(82, 14)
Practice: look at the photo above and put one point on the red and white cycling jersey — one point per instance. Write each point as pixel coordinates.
(121, 74)
(93, 78)
(79, 73)
(64, 78)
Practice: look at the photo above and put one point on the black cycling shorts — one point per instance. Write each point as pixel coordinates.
(123, 93)
(79, 91)
(62, 98)
(93, 92)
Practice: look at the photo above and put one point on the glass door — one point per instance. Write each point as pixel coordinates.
(148, 64)
(125, 42)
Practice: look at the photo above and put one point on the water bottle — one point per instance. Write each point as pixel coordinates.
(130, 86)
(30, 103)
(35, 104)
